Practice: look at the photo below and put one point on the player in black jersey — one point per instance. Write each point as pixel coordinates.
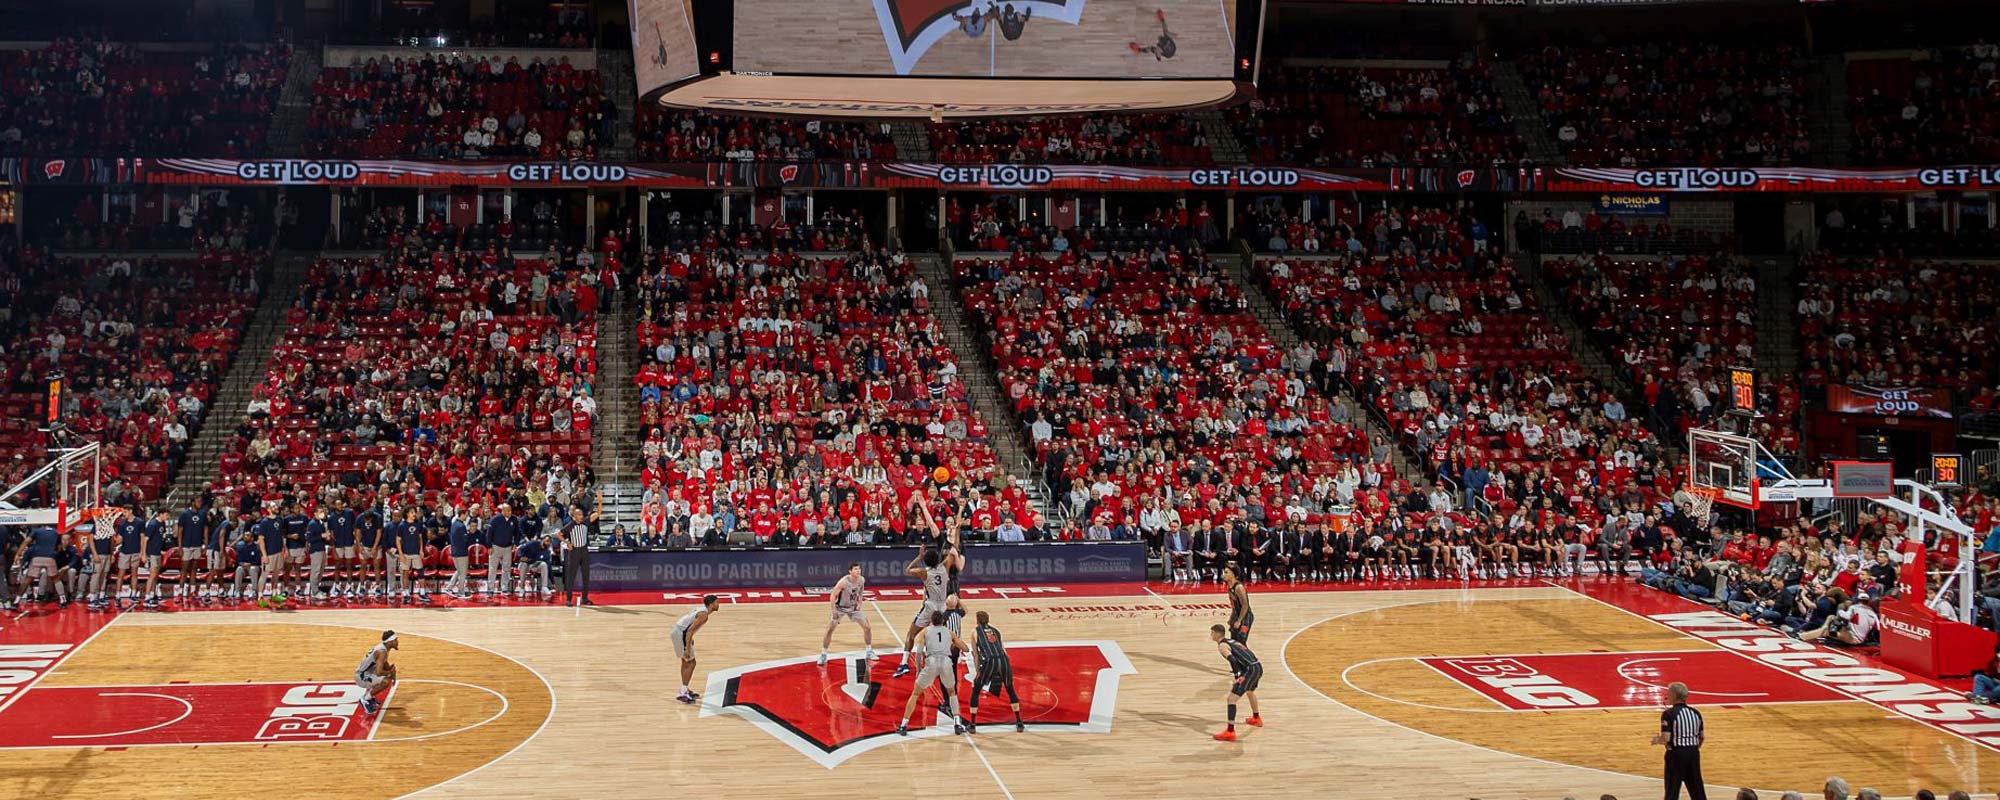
(1240, 616)
(991, 672)
(1245, 672)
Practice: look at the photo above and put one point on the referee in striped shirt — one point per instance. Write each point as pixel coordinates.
(1681, 731)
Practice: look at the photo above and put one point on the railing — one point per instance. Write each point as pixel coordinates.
(1977, 423)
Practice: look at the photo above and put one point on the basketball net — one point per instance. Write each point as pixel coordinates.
(107, 515)
(1701, 503)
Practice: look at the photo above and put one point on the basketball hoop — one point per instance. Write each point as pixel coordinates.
(110, 514)
(1701, 503)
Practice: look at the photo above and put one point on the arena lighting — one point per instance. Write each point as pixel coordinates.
(439, 41)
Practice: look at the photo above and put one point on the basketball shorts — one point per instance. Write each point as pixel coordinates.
(851, 614)
(213, 558)
(938, 670)
(190, 558)
(683, 645)
(1246, 682)
(370, 681)
(1241, 632)
(994, 681)
(128, 561)
(923, 619)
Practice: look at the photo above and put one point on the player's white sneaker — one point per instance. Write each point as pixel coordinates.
(871, 654)
(822, 658)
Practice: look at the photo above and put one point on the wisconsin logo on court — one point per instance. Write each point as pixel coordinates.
(911, 27)
(849, 707)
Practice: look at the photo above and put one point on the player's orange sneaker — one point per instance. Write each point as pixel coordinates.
(1226, 736)
(1254, 721)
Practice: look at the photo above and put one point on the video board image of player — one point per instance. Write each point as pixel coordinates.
(1083, 39)
(663, 47)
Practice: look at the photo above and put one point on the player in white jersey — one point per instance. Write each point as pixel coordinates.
(846, 602)
(937, 645)
(376, 675)
(684, 631)
(928, 567)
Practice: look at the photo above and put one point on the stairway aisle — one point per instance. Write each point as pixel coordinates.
(1527, 114)
(1777, 320)
(614, 442)
(1826, 107)
(975, 369)
(1593, 358)
(266, 329)
(1222, 141)
(912, 138)
(617, 66)
(288, 126)
(1281, 332)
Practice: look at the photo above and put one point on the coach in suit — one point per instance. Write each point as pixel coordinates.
(1340, 552)
(1263, 549)
(1176, 552)
(1285, 550)
(1312, 538)
(1205, 552)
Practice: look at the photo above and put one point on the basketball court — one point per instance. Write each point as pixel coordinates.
(1509, 689)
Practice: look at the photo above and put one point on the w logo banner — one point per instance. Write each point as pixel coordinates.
(911, 27)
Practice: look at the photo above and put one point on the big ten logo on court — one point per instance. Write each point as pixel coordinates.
(313, 711)
(833, 713)
(1516, 680)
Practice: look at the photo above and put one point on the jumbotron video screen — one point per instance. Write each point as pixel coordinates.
(1090, 39)
(945, 57)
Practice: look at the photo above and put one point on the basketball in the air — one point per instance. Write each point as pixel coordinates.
(941, 474)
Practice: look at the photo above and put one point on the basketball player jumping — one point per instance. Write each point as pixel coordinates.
(376, 675)
(1162, 48)
(937, 569)
(684, 631)
(991, 672)
(938, 643)
(928, 567)
(1240, 616)
(846, 602)
(973, 24)
(1245, 671)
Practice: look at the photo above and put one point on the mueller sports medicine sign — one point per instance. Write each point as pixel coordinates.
(666, 570)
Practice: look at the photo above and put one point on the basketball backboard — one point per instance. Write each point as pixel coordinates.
(1734, 468)
(64, 493)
